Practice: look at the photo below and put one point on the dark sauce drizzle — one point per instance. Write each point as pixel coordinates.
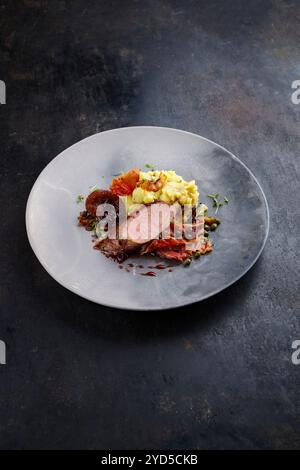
(159, 266)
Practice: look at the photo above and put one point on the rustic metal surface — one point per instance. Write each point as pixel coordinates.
(219, 374)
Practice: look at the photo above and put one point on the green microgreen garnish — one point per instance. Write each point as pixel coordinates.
(80, 198)
(94, 224)
(149, 165)
(216, 202)
(213, 196)
(93, 188)
(226, 200)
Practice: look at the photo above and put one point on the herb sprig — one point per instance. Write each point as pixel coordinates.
(94, 224)
(93, 188)
(150, 166)
(80, 198)
(216, 201)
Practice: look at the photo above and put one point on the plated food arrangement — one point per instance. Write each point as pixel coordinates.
(162, 221)
(152, 212)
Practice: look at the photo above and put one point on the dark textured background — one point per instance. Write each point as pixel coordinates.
(219, 374)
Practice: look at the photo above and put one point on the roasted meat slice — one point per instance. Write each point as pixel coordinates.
(140, 228)
(148, 223)
(164, 244)
(178, 250)
(111, 248)
(173, 255)
(86, 220)
(119, 250)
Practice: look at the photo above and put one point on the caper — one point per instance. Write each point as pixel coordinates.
(197, 254)
(209, 220)
(206, 233)
(213, 227)
(206, 227)
(187, 262)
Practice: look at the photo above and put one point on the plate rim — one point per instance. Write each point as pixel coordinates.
(217, 291)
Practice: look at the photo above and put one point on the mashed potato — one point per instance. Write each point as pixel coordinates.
(174, 189)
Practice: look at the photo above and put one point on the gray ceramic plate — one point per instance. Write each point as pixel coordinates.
(65, 250)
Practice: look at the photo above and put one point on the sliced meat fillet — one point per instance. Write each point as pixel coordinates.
(174, 255)
(148, 223)
(119, 250)
(164, 244)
